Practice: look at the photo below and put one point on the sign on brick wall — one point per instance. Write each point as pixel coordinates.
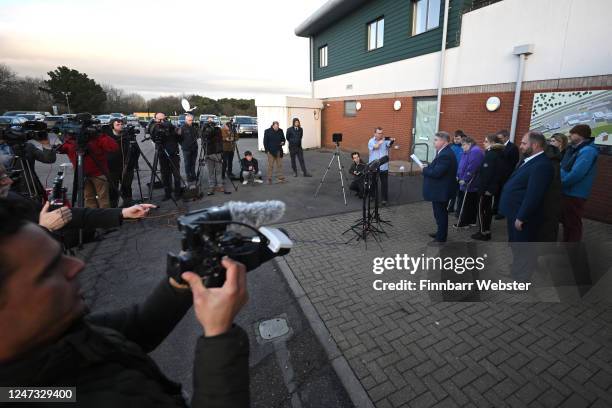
(558, 112)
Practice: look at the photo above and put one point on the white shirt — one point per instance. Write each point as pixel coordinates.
(532, 156)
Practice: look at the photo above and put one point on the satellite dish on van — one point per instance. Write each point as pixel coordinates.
(186, 107)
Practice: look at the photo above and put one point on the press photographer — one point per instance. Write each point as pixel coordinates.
(48, 338)
(22, 146)
(189, 145)
(167, 140)
(121, 163)
(357, 170)
(84, 136)
(213, 140)
(378, 147)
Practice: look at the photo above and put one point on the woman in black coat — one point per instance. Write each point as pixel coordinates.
(490, 183)
(548, 231)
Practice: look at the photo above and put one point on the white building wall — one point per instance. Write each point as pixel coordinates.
(571, 39)
(283, 109)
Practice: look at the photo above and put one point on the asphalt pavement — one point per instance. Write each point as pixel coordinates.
(292, 370)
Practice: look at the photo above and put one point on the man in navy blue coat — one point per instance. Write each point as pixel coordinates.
(522, 195)
(439, 183)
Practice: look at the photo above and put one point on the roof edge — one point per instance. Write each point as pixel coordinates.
(325, 15)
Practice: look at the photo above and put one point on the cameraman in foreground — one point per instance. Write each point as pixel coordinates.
(49, 339)
(166, 138)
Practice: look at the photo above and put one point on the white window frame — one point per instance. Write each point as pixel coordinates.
(376, 34)
(323, 56)
(415, 4)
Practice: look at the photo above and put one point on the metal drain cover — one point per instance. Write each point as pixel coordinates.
(273, 328)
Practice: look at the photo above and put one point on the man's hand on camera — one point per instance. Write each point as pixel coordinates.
(216, 308)
(137, 211)
(56, 219)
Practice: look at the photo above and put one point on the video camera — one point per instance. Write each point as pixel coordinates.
(28, 130)
(212, 233)
(83, 127)
(130, 132)
(160, 131)
(374, 166)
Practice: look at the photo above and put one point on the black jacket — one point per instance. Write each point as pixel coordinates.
(105, 356)
(491, 170)
(190, 137)
(294, 137)
(274, 140)
(548, 230)
(119, 158)
(356, 170)
(511, 159)
(211, 135)
(244, 165)
(170, 141)
(31, 153)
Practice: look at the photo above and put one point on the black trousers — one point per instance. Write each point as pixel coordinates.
(190, 155)
(228, 161)
(470, 208)
(357, 186)
(299, 153)
(383, 176)
(441, 215)
(120, 181)
(485, 213)
(170, 168)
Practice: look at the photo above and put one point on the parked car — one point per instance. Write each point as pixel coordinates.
(52, 121)
(32, 116)
(204, 119)
(7, 121)
(104, 119)
(132, 120)
(13, 113)
(246, 125)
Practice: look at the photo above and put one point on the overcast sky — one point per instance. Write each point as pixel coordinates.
(229, 48)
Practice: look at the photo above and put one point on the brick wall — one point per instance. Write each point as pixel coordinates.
(459, 111)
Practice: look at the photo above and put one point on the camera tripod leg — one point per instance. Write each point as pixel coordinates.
(325, 174)
(337, 154)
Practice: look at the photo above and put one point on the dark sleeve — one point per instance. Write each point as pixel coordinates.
(537, 185)
(439, 167)
(221, 371)
(513, 157)
(42, 155)
(266, 140)
(95, 218)
(256, 165)
(283, 140)
(149, 323)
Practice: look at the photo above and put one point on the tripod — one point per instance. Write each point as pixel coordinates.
(134, 155)
(370, 221)
(158, 150)
(336, 156)
(29, 178)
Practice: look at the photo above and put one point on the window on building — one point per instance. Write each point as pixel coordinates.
(323, 56)
(425, 15)
(376, 34)
(350, 108)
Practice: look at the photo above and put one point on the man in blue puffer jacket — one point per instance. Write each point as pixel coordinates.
(578, 170)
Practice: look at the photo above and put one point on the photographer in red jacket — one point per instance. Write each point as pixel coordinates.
(95, 166)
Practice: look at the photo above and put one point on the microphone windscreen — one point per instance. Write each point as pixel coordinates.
(257, 213)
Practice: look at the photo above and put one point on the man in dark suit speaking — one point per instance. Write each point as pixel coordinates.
(439, 183)
(523, 194)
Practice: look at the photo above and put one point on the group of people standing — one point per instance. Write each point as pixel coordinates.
(274, 142)
(534, 186)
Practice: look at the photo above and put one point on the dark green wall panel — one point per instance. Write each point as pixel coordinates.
(347, 38)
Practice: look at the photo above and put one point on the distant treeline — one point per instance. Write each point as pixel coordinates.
(68, 87)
